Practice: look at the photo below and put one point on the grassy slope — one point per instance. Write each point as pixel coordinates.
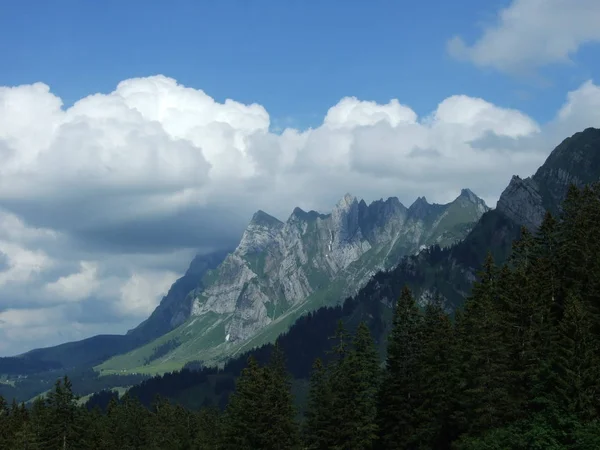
(210, 346)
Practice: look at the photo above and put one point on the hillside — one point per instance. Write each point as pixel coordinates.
(449, 272)
(516, 369)
(282, 270)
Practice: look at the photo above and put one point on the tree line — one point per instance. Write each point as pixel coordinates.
(517, 367)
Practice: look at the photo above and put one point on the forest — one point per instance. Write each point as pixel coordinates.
(516, 367)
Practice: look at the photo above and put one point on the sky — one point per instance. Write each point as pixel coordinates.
(134, 134)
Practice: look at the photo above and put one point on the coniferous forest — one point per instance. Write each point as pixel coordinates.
(517, 367)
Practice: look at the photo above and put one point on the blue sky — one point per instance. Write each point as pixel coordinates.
(120, 157)
(296, 58)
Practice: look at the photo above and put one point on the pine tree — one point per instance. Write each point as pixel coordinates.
(361, 391)
(283, 431)
(127, 420)
(320, 427)
(245, 420)
(167, 427)
(5, 425)
(484, 355)
(61, 429)
(338, 380)
(438, 375)
(523, 316)
(400, 388)
(208, 429)
(576, 356)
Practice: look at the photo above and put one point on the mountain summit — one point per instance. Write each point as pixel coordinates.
(281, 270)
(576, 160)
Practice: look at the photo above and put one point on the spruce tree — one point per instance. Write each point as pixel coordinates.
(260, 413)
(338, 380)
(283, 431)
(61, 429)
(484, 355)
(439, 380)
(576, 359)
(399, 395)
(361, 391)
(5, 426)
(209, 427)
(320, 426)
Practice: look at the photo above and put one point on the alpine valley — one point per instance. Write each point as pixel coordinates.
(295, 279)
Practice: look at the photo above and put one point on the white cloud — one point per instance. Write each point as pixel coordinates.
(24, 329)
(142, 292)
(582, 108)
(21, 263)
(533, 33)
(76, 286)
(351, 112)
(102, 204)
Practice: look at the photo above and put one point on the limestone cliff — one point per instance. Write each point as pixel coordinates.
(281, 270)
(279, 265)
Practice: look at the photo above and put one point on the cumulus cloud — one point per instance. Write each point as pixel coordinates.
(137, 294)
(76, 286)
(530, 34)
(102, 204)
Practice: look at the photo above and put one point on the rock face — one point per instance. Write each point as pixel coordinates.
(522, 202)
(281, 270)
(176, 306)
(575, 161)
(229, 302)
(277, 266)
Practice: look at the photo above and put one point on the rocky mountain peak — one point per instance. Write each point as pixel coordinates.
(298, 214)
(420, 201)
(575, 160)
(521, 202)
(381, 210)
(346, 202)
(468, 197)
(345, 218)
(419, 208)
(259, 233)
(261, 218)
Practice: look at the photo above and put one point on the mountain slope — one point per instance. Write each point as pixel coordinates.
(448, 271)
(523, 203)
(96, 349)
(176, 306)
(281, 270)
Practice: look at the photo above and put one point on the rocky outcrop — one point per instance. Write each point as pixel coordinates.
(576, 160)
(176, 307)
(278, 266)
(522, 202)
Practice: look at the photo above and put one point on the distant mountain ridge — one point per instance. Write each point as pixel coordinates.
(281, 270)
(575, 160)
(524, 202)
(448, 272)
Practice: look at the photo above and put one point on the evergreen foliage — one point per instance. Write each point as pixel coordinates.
(517, 368)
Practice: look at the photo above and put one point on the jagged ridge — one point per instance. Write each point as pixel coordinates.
(281, 270)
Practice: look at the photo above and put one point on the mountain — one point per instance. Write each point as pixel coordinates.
(281, 270)
(449, 272)
(171, 312)
(175, 307)
(576, 160)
